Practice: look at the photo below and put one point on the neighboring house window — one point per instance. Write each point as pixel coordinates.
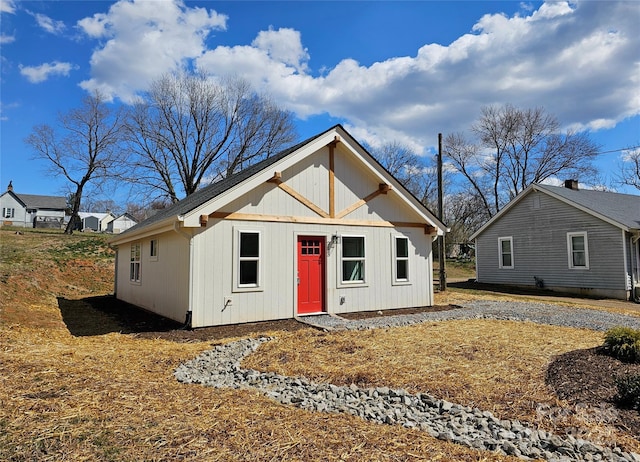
(248, 255)
(401, 259)
(353, 259)
(8, 212)
(505, 249)
(134, 269)
(578, 249)
(153, 250)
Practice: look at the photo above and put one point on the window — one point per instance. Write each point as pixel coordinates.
(352, 259)
(401, 259)
(153, 250)
(8, 212)
(248, 250)
(505, 252)
(134, 268)
(578, 250)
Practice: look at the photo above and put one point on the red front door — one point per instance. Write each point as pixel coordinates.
(311, 274)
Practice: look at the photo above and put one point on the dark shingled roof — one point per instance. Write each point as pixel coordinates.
(33, 201)
(621, 208)
(207, 193)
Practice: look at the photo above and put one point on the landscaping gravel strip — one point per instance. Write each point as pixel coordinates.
(444, 420)
(515, 311)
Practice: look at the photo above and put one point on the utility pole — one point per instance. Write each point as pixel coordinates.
(441, 256)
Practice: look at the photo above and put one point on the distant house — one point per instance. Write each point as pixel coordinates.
(121, 223)
(319, 228)
(95, 221)
(31, 211)
(564, 239)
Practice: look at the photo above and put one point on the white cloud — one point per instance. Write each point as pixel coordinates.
(37, 74)
(579, 60)
(8, 6)
(6, 39)
(144, 39)
(283, 45)
(47, 24)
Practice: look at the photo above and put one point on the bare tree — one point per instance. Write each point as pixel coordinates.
(191, 129)
(84, 147)
(414, 172)
(630, 169)
(514, 148)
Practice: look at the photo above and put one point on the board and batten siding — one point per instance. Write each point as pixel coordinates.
(213, 272)
(214, 300)
(164, 280)
(538, 225)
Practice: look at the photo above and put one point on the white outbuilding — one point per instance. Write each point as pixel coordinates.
(319, 228)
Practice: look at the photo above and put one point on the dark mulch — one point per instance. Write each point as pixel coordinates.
(588, 376)
(130, 319)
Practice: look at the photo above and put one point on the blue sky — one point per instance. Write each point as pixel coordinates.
(387, 71)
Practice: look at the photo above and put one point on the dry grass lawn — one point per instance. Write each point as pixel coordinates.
(113, 396)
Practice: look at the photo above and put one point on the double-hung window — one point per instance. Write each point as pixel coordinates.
(578, 250)
(353, 259)
(8, 212)
(248, 250)
(134, 268)
(401, 259)
(505, 252)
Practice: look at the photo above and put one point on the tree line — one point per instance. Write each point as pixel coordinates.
(189, 130)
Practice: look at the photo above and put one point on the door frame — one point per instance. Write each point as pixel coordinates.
(325, 237)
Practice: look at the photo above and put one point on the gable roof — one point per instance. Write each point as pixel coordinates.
(99, 215)
(126, 216)
(203, 196)
(33, 201)
(620, 210)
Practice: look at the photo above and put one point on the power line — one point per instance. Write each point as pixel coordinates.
(618, 150)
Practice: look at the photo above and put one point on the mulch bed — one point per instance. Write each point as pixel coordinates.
(588, 377)
(133, 320)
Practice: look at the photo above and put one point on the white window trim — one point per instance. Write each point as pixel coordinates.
(570, 250)
(395, 258)
(137, 262)
(341, 281)
(513, 262)
(237, 287)
(151, 247)
(8, 212)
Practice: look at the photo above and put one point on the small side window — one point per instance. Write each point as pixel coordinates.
(505, 252)
(134, 267)
(153, 250)
(400, 259)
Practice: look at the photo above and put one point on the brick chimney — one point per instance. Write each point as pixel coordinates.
(10, 187)
(571, 184)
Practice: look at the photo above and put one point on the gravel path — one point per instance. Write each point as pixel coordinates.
(220, 367)
(516, 311)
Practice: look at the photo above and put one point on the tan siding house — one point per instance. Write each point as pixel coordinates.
(564, 239)
(319, 228)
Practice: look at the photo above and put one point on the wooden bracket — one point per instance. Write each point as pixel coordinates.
(204, 219)
(276, 178)
(384, 188)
